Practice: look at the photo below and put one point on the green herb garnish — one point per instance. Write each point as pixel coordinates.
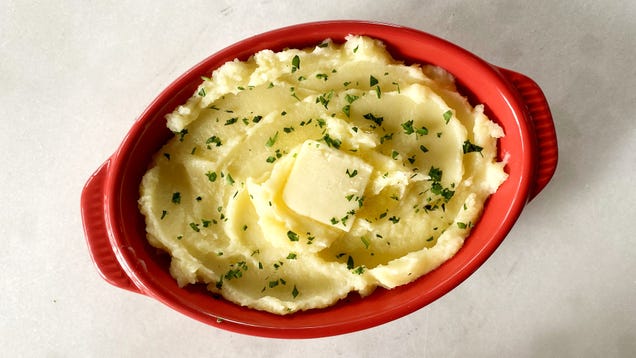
(365, 241)
(350, 264)
(295, 64)
(182, 134)
(435, 174)
(469, 147)
(211, 176)
(371, 117)
(213, 140)
(394, 219)
(271, 140)
(231, 121)
(332, 142)
(325, 98)
(195, 227)
(292, 236)
(372, 81)
(229, 179)
(347, 110)
(447, 116)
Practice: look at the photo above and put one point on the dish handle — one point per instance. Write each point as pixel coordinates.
(541, 120)
(96, 233)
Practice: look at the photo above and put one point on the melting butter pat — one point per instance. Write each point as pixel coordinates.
(326, 185)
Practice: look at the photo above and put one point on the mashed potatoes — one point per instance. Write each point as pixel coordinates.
(297, 177)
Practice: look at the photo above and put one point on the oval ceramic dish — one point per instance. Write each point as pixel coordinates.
(115, 229)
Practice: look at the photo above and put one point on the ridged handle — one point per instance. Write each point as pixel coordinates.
(545, 133)
(97, 238)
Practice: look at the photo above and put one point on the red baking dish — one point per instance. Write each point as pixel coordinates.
(115, 229)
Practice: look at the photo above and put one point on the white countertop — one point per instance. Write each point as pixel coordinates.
(74, 76)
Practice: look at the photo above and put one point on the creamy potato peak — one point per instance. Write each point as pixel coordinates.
(297, 177)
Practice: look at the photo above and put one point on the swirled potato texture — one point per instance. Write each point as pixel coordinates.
(297, 177)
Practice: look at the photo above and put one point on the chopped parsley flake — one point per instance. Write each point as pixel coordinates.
(211, 176)
(351, 98)
(376, 120)
(332, 142)
(295, 292)
(295, 64)
(386, 137)
(394, 154)
(213, 140)
(423, 148)
(236, 270)
(372, 81)
(365, 241)
(291, 256)
(292, 236)
(229, 179)
(182, 134)
(163, 214)
(176, 197)
(350, 264)
(270, 142)
(325, 98)
(447, 116)
(347, 110)
(469, 147)
(461, 225)
(201, 92)
(435, 174)
(359, 270)
(353, 173)
(394, 219)
(322, 76)
(195, 227)
(408, 127)
(231, 121)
